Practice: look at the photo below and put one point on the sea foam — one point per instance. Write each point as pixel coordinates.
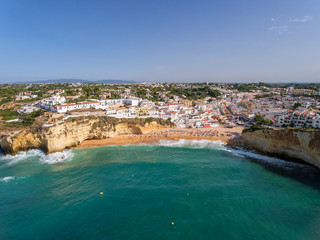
(10, 178)
(52, 158)
(6, 179)
(272, 161)
(20, 156)
(57, 157)
(193, 143)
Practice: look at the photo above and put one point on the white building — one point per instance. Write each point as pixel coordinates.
(132, 101)
(69, 107)
(316, 122)
(48, 103)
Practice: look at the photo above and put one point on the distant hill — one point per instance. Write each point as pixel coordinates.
(115, 81)
(111, 81)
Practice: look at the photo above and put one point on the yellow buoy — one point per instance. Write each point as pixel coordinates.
(101, 193)
(172, 223)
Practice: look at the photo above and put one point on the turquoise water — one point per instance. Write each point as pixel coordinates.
(208, 191)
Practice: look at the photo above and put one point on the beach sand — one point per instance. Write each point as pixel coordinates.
(175, 134)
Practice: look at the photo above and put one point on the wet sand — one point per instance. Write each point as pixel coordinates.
(174, 134)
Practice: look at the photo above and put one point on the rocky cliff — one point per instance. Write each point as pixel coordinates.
(73, 131)
(290, 144)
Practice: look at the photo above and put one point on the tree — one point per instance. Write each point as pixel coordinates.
(261, 120)
(149, 119)
(40, 94)
(281, 92)
(96, 89)
(296, 105)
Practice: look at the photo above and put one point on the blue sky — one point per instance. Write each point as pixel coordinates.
(160, 40)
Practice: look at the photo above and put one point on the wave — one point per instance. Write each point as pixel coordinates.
(9, 178)
(57, 157)
(272, 161)
(52, 158)
(20, 156)
(259, 158)
(193, 143)
(6, 179)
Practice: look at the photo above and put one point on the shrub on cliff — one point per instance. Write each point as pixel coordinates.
(149, 120)
(114, 121)
(253, 128)
(261, 120)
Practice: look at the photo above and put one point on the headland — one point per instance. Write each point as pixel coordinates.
(287, 143)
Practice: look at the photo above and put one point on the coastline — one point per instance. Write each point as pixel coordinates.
(174, 134)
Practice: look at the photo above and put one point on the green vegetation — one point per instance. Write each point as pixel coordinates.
(149, 120)
(195, 93)
(262, 84)
(28, 100)
(296, 105)
(36, 113)
(262, 96)
(311, 86)
(115, 96)
(252, 128)
(5, 100)
(259, 120)
(114, 121)
(8, 92)
(26, 120)
(246, 87)
(8, 114)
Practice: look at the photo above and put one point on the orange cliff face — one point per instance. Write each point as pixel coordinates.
(74, 131)
(286, 143)
(21, 141)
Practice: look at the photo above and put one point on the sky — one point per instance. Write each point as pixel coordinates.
(160, 40)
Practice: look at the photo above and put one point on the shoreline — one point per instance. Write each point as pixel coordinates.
(174, 134)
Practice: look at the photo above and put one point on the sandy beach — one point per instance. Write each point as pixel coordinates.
(175, 134)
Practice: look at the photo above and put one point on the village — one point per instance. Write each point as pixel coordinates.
(281, 107)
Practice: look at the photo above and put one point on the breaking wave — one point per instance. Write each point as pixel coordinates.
(193, 143)
(274, 162)
(20, 156)
(267, 161)
(57, 157)
(6, 179)
(52, 158)
(10, 178)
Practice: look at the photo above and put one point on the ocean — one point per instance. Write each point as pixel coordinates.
(174, 190)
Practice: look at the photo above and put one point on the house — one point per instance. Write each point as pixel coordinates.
(69, 107)
(131, 101)
(142, 111)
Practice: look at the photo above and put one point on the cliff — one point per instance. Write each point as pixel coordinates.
(289, 144)
(73, 131)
